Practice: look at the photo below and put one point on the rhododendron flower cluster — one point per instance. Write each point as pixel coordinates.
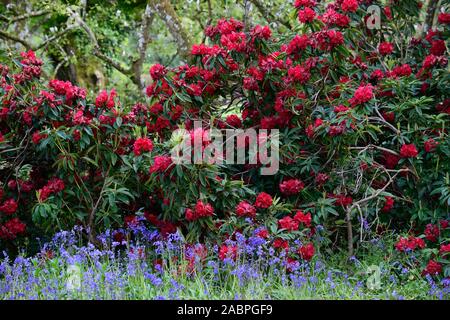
(201, 210)
(161, 164)
(11, 229)
(53, 186)
(410, 244)
(307, 251)
(9, 207)
(363, 94)
(142, 145)
(291, 186)
(388, 205)
(288, 223)
(385, 48)
(245, 209)
(433, 267)
(228, 252)
(408, 151)
(263, 200)
(430, 145)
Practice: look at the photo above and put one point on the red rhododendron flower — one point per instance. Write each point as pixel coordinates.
(157, 71)
(288, 224)
(430, 145)
(190, 215)
(306, 15)
(9, 207)
(362, 95)
(291, 187)
(343, 200)
(54, 185)
(142, 145)
(408, 151)
(263, 233)
(302, 218)
(331, 18)
(304, 3)
(131, 220)
(388, 116)
(297, 44)
(261, 32)
(11, 229)
(444, 18)
(37, 137)
(390, 160)
(280, 243)
(388, 12)
(321, 178)
(12, 184)
(161, 164)
(307, 251)
(411, 243)
(227, 252)
(349, 5)
(432, 268)
(245, 209)
(444, 249)
(438, 48)
(385, 48)
(340, 108)
(388, 204)
(432, 232)
(234, 121)
(203, 209)
(105, 100)
(377, 75)
(299, 74)
(263, 200)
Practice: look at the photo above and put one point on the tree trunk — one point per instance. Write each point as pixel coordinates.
(167, 13)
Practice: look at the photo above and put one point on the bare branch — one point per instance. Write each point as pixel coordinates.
(8, 36)
(358, 203)
(54, 37)
(143, 41)
(167, 13)
(371, 147)
(96, 50)
(24, 16)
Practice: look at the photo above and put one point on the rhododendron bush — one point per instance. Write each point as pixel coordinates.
(362, 117)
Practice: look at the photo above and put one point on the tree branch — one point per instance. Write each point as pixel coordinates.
(52, 38)
(144, 39)
(24, 16)
(167, 13)
(96, 50)
(362, 201)
(8, 36)
(371, 147)
(269, 15)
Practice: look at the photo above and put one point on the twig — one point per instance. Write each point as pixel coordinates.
(96, 50)
(8, 36)
(371, 146)
(24, 16)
